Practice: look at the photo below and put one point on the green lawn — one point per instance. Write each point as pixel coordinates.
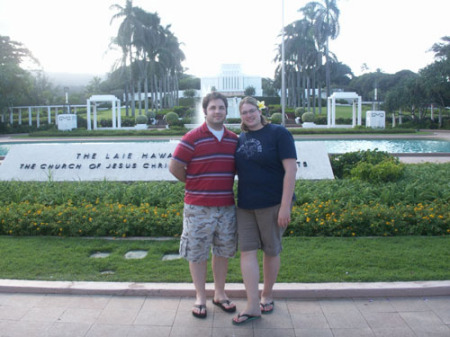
(307, 260)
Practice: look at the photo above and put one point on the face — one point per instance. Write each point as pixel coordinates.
(215, 113)
(251, 116)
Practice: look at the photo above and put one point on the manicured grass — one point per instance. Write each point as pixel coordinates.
(303, 260)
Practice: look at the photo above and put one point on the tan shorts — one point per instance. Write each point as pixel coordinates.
(258, 229)
(206, 227)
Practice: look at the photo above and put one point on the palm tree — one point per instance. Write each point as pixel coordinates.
(150, 53)
(147, 42)
(300, 61)
(442, 50)
(125, 40)
(325, 19)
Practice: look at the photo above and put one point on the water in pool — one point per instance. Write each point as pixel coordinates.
(351, 145)
(387, 145)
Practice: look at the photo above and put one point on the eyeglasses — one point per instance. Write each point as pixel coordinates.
(251, 111)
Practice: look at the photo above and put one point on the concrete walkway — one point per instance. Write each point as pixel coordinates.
(89, 309)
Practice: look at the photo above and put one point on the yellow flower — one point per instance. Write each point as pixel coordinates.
(261, 105)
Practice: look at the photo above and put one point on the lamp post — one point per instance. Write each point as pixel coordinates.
(66, 93)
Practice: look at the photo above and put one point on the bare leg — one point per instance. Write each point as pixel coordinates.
(198, 274)
(220, 269)
(250, 274)
(271, 266)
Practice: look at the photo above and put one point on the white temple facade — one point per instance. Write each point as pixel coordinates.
(231, 82)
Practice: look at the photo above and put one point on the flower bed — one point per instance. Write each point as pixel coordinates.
(417, 204)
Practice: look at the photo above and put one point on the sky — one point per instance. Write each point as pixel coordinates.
(73, 36)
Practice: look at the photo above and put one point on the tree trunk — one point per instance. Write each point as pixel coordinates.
(146, 95)
(139, 92)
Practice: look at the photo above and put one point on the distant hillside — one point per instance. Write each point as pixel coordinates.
(67, 79)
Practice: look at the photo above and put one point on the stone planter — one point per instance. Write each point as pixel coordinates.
(309, 125)
(140, 126)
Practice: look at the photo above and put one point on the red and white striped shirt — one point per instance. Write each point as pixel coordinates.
(209, 165)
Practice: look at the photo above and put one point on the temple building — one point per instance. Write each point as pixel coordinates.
(231, 82)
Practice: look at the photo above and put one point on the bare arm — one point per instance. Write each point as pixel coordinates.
(178, 170)
(290, 170)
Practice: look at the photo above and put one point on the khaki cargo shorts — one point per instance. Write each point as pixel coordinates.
(205, 228)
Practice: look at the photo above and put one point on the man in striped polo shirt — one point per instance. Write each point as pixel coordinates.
(204, 161)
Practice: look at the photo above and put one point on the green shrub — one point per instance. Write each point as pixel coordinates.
(308, 117)
(106, 123)
(299, 111)
(417, 204)
(342, 164)
(234, 120)
(182, 111)
(273, 108)
(141, 119)
(276, 118)
(385, 171)
(172, 118)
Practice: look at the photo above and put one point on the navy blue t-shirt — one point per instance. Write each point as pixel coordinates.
(259, 166)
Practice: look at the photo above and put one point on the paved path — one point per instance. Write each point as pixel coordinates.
(29, 315)
(90, 309)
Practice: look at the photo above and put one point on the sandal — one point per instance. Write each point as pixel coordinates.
(225, 305)
(267, 308)
(201, 311)
(247, 319)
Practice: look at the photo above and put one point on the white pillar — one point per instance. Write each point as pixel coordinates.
(38, 113)
(393, 120)
(49, 115)
(328, 112)
(20, 116)
(354, 114)
(359, 110)
(88, 119)
(30, 119)
(432, 112)
(119, 116)
(333, 112)
(114, 114)
(95, 115)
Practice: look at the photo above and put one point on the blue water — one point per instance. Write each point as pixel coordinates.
(387, 145)
(351, 145)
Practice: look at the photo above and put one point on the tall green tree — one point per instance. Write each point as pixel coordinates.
(129, 27)
(16, 83)
(151, 55)
(325, 18)
(300, 60)
(436, 76)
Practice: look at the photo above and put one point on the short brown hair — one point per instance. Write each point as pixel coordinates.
(214, 95)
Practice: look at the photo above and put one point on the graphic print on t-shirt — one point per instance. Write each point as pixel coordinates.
(250, 148)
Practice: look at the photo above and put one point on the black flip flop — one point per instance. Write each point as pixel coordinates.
(264, 309)
(248, 318)
(221, 305)
(200, 308)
